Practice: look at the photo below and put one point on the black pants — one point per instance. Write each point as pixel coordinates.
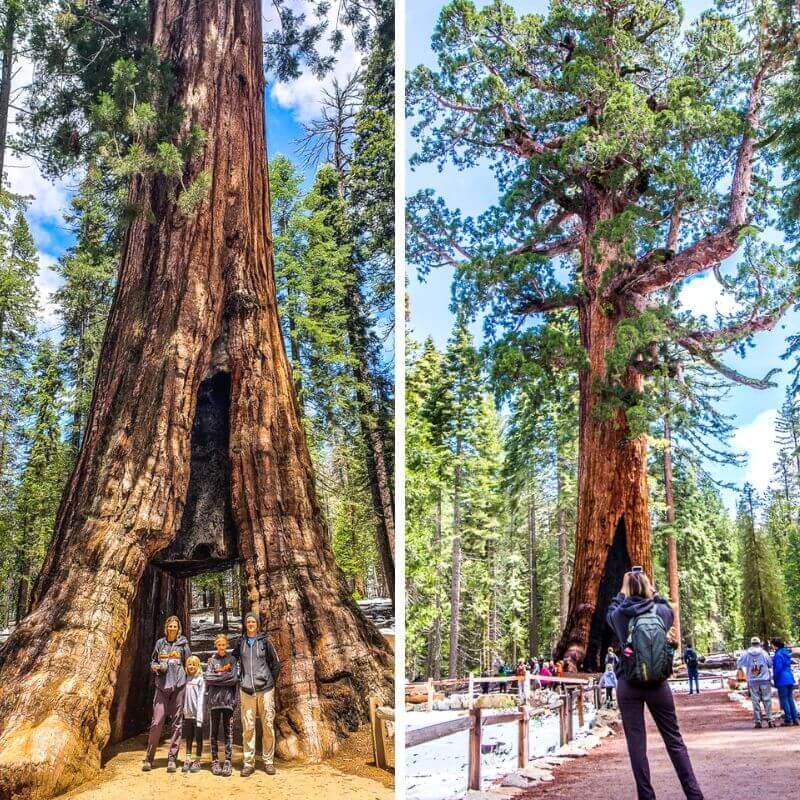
(609, 695)
(221, 725)
(659, 701)
(193, 733)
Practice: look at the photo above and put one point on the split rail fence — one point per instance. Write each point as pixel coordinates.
(572, 690)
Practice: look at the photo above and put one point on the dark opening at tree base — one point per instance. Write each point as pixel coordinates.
(618, 562)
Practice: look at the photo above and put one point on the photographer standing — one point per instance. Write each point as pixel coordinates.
(641, 619)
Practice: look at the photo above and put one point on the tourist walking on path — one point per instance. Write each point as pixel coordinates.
(608, 681)
(258, 671)
(612, 659)
(757, 665)
(692, 661)
(784, 680)
(640, 619)
(168, 663)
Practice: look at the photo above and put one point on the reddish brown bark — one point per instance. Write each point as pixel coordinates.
(613, 526)
(195, 296)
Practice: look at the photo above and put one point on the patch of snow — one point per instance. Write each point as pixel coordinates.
(438, 770)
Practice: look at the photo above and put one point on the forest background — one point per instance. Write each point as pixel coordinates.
(494, 464)
(79, 125)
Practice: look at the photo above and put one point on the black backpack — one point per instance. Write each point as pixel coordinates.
(648, 654)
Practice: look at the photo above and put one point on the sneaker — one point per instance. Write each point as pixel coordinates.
(171, 765)
(216, 768)
(269, 769)
(196, 766)
(227, 769)
(247, 770)
(147, 765)
(796, 722)
(757, 725)
(770, 724)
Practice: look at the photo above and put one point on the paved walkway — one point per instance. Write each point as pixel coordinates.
(732, 759)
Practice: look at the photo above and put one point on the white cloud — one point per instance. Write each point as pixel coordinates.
(47, 281)
(705, 296)
(304, 95)
(757, 440)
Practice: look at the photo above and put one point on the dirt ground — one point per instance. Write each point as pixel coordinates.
(351, 775)
(731, 758)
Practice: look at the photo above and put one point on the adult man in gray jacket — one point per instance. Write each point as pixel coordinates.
(258, 671)
(757, 664)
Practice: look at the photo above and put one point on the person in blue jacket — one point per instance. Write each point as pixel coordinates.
(784, 680)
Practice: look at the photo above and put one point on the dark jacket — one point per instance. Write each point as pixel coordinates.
(782, 667)
(623, 609)
(691, 658)
(170, 657)
(222, 677)
(258, 664)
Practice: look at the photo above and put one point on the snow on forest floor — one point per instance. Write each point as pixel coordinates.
(438, 770)
(349, 775)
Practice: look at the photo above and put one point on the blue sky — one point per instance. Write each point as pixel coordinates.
(753, 410)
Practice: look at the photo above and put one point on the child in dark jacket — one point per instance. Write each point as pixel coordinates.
(222, 676)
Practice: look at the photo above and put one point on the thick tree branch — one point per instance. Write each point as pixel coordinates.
(551, 303)
(731, 374)
(722, 337)
(557, 248)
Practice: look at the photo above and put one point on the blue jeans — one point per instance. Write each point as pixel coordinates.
(786, 696)
(693, 678)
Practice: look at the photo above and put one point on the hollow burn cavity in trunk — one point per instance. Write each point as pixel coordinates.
(618, 562)
(207, 539)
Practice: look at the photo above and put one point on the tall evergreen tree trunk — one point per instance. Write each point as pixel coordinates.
(369, 413)
(613, 525)
(563, 554)
(223, 607)
(533, 582)
(434, 665)
(672, 545)
(215, 602)
(763, 623)
(195, 299)
(455, 584)
(9, 31)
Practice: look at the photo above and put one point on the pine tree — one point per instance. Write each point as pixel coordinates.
(763, 595)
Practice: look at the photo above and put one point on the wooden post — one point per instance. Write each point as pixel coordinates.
(474, 780)
(570, 709)
(562, 722)
(430, 695)
(522, 750)
(527, 691)
(597, 696)
(378, 748)
(580, 707)
(471, 690)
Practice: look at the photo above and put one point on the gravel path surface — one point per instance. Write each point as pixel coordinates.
(731, 758)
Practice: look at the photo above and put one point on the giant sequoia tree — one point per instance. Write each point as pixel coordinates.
(193, 453)
(628, 159)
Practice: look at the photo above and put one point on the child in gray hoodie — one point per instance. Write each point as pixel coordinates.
(757, 665)
(193, 702)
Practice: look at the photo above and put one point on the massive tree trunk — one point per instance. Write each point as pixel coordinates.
(195, 298)
(672, 545)
(613, 526)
